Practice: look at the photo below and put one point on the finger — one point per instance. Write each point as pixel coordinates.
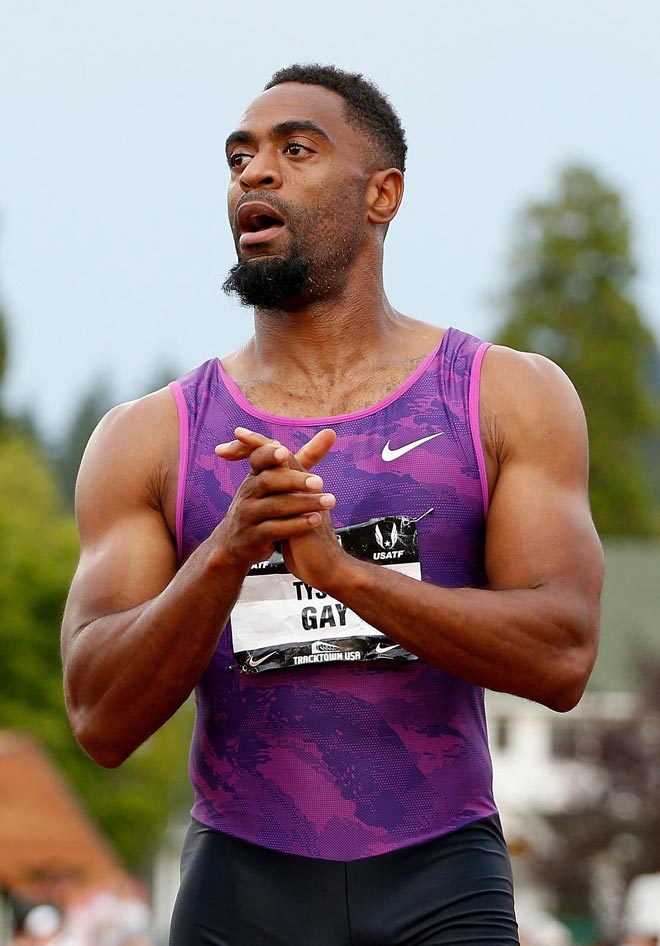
(250, 438)
(289, 505)
(233, 450)
(279, 530)
(284, 480)
(246, 441)
(271, 454)
(315, 449)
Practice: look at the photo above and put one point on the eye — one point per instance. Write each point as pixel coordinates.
(238, 159)
(296, 149)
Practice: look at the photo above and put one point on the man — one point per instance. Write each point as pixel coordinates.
(340, 762)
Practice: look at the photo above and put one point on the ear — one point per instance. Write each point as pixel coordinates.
(384, 195)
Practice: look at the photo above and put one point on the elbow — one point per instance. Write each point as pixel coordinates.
(91, 738)
(106, 757)
(574, 659)
(564, 700)
(570, 680)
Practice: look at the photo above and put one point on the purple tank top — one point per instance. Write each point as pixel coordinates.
(343, 760)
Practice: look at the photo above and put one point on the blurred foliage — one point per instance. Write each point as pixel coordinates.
(38, 549)
(38, 553)
(568, 299)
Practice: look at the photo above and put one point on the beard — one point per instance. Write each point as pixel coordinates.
(315, 267)
(268, 283)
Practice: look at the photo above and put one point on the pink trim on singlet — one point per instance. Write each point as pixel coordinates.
(475, 425)
(184, 440)
(240, 399)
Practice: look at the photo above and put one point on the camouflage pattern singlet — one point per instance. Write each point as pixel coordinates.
(338, 751)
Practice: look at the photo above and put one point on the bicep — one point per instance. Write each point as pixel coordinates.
(539, 531)
(128, 554)
(126, 565)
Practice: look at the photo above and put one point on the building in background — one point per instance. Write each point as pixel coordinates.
(547, 764)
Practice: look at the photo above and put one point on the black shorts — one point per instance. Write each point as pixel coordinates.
(455, 889)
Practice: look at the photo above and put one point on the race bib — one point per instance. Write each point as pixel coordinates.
(281, 622)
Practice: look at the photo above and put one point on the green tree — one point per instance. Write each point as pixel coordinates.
(569, 299)
(38, 552)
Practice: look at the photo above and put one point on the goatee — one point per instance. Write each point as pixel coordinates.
(268, 282)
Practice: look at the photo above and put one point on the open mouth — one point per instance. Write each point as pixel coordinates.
(258, 222)
(261, 222)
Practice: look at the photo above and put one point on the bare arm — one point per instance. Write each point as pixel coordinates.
(534, 631)
(138, 633)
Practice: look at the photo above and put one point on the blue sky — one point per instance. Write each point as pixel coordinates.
(113, 115)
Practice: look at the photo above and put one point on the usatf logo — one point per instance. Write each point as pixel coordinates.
(387, 540)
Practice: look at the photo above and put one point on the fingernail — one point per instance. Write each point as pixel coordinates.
(314, 518)
(281, 453)
(314, 482)
(327, 500)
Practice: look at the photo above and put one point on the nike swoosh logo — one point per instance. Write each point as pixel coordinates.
(388, 454)
(255, 663)
(384, 648)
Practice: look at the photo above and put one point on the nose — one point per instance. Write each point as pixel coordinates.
(262, 170)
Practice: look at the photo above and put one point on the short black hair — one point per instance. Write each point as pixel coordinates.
(366, 106)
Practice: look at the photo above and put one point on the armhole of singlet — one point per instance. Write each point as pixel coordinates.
(475, 424)
(182, 411)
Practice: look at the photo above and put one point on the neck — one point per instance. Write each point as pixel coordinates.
(335, 336)
(339, 329)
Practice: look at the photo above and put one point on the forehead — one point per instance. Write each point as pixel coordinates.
(296, 101)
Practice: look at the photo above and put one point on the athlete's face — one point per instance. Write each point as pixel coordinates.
(296, 195)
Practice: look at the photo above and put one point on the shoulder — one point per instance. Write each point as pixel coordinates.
(506, 368)
(140, 425)
(525, 382)
(527, 401)
(133, 452)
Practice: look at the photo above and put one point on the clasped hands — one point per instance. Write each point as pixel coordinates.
(280, 501)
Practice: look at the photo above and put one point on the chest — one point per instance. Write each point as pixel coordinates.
(411, 460)
(348, 393)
